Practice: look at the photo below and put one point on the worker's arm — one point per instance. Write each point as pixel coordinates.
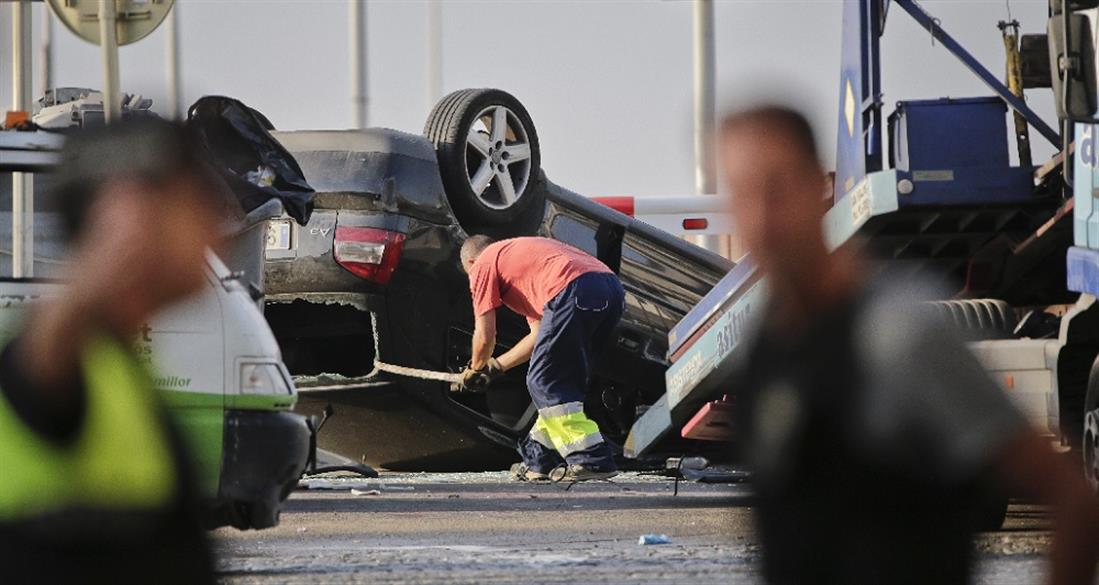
(520, 352)
(41, 370)
(484, 340)
(47, 394)
(1036, 473)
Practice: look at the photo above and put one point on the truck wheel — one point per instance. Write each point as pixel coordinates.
(1090, 438)
(488, 157)
(1091, 448)
(978, 319)
(262, 515)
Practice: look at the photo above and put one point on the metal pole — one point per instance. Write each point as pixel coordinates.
(705, 180)
(434, 52)
(171, 58)
(45, 82)
(22, 193)
(360, 100)
(108, 43)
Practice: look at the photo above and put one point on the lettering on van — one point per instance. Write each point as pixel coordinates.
(171, 382)
(143, 345)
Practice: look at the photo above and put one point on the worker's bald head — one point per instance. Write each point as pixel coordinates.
(472, 248)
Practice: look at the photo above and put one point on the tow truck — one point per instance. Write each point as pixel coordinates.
(932, 192)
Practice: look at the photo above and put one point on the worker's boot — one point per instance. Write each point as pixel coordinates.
(520, 472)
(574, 473)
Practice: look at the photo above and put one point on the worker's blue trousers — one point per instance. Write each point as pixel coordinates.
(576, 324)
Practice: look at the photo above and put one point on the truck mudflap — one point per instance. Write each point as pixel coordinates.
(263, 456)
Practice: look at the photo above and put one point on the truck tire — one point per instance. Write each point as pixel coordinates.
(977, 319)
(1089, 443)
(489, 159)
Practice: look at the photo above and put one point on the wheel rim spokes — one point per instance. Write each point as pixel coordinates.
(480, 143)
(481, 179)
(498, 157)
(517, 152)
(499, 124)
(507, 187)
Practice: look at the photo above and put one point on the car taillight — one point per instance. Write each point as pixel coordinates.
(368, 253)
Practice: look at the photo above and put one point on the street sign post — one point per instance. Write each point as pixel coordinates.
(110, 24)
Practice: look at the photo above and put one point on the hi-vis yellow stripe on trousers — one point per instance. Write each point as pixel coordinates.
(565, 428)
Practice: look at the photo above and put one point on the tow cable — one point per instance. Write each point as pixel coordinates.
(451, 377)
(380, 366)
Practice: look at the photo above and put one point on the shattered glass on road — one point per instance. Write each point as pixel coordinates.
(482, 528)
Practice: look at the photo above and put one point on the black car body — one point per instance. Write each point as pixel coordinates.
(381, 197)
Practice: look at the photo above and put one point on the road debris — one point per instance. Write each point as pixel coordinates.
(646, 539)
(356, 492)
(331, 484)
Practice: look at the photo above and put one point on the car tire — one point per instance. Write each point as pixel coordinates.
(489, 159)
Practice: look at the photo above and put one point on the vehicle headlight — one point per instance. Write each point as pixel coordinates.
(262, 379)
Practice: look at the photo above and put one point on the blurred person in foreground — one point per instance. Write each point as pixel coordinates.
(94, 483)
(870, 429)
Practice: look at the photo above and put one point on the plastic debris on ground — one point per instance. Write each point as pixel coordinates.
(646, 539)
(355, 485)
(699, 469)
(389, 481)
(717, 474)
(356, 492)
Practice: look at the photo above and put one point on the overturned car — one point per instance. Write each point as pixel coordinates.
(374, 275)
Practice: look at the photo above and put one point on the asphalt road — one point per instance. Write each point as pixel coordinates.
(479, 528)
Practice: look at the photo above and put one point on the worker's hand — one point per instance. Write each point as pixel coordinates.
(492, 370)
(478, 380)
(116, 256)
(473, 380)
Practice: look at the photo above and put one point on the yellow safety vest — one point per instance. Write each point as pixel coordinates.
(120, 460)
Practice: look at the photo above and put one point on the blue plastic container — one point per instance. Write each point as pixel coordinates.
(949, 133)
(955, 151)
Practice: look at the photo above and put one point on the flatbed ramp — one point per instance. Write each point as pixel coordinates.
(921, 240)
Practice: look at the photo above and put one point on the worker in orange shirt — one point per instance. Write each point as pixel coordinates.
(572, 302)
